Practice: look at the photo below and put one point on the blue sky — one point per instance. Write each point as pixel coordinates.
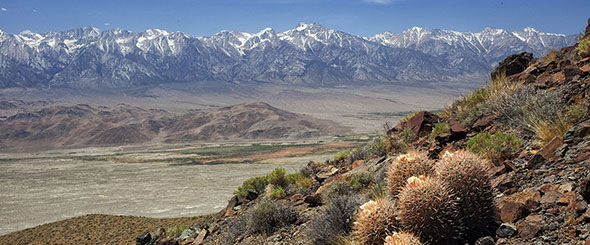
(359, 17)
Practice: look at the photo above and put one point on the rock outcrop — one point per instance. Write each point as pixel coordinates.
(513, 64)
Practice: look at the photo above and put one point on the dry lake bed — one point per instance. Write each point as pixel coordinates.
(38, 188)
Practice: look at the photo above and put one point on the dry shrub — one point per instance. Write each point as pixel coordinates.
(551, 56)
(584, 47)
(269, 215)
(334, 221)
(500, 87)
(540, 113)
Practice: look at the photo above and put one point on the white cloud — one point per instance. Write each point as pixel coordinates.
(3, 9)
(107, 24)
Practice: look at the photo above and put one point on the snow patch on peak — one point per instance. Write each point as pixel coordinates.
(517, 35)
(93, 31)
(301, 26)
(417, 29)
(156, 32)
(29, 33)
(265, 30)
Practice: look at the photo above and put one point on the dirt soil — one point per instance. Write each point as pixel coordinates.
(93, 229)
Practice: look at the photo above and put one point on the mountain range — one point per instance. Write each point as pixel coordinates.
(309, 54)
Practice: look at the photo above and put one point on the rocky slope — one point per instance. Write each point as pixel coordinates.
(40, 125)
(307, 54)
(515, 183)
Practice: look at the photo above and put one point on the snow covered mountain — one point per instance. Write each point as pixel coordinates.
(475, 51)
(307, 54)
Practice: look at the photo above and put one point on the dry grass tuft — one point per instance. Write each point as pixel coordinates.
(584, 47)
(551, 56)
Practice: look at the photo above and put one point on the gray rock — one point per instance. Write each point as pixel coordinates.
(506, 230)
(251, 195)
(577, 132)
(488, 240)
(143, 238)
(187, 234)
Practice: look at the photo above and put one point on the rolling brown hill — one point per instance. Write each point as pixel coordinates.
(49, 126)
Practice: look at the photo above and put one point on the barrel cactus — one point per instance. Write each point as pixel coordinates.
(428, 207)
(467, 176)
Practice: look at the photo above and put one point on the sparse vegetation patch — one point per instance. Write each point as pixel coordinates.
(493, 146)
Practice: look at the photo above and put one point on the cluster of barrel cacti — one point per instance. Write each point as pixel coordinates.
(449, 201)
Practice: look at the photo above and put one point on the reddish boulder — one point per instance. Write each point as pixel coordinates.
(313, 200)
(574, 202)
(511, 212)
(229, 209)
(583, 157)
(513, 64)
(296, 197)
(549, 149)
(421, 124)
(528, 229)
(550, 197)
(483, 122)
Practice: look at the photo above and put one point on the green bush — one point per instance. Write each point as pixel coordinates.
(465, 104)
(339, 188)
(407, 136)
(579, 111)
(277, 177)
(176, 230)
(354, 184)
(256, 184)
(584, 47)
(278, 192)
(360, 180)
(493, 146)
(300, 180)
(468, 117)
(399, 142)
(440, 128)
(375, 147)
(269, 215)
(408, 116)
(340, 156)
